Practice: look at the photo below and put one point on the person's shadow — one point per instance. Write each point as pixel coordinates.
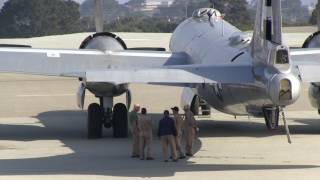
(110, 156)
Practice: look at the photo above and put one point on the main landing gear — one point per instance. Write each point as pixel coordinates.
(272, 115)
(104, 115)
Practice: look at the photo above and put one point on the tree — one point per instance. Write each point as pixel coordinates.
(236, 11)
(112, 10)
(141, 24)
(315, 17)
(294, 13)
(26, 18)
(136, 5)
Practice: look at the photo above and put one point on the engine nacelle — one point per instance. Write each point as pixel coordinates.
(314, 95)
(197, 105)
(313, 41)
(104, 41)
(187, 97)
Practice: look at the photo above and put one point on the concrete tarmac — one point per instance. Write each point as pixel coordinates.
(43, 133)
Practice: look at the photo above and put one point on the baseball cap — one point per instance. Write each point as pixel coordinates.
(175, 108)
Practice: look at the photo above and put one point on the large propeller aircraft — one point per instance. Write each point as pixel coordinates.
(214, 61)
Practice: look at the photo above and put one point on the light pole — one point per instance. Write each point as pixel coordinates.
(98, 14)
(318, 14)
(212, 4)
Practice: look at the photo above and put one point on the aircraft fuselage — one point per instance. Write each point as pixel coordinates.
(216, 42)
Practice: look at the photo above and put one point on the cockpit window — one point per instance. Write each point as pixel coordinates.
(282, 57)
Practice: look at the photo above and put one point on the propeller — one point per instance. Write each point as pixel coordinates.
(128, 99)
(98, 15)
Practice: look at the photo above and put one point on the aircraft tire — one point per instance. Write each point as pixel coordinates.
(206, 107)
(271, 116)
(120, 121)
(95, 121)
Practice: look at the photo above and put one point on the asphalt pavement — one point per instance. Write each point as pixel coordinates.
(43, 133)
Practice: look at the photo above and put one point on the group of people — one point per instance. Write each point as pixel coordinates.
(170, 131)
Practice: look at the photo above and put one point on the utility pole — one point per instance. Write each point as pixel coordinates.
(186, 8)
(98, 14)
(212, 4)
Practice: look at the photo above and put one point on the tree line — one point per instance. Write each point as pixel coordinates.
(28, 18)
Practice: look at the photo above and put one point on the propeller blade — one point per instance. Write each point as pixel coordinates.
(128, 99)
(148, 48)
(98, 15)
(81, 94)
(15, 45)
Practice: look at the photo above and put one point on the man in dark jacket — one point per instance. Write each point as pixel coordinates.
(167, 131)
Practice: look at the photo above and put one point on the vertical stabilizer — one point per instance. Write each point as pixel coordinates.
(267, 30)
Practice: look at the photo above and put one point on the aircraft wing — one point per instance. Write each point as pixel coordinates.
(308, 63)
(75, 63)
(119, 67)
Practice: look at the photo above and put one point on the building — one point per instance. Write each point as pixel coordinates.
(151, 6)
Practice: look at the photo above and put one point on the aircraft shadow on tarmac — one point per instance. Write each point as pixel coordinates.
(110, 156)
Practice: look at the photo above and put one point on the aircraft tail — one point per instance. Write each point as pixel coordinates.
(267, 30)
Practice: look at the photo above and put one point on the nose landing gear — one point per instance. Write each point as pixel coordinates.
(271, 116)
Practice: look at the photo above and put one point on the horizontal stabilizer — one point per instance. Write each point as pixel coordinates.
(305, 56)
(309, 73)
(308, 63)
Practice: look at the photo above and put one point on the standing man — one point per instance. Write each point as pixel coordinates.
(133, 122)
(167, 131)
(145, 134)
(190, 126)
(179, 126)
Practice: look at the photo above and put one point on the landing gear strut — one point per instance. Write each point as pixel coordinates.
(271, 116)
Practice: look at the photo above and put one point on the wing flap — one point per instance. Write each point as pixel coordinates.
(175, 75)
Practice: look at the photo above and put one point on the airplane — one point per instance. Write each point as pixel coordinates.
(211, 59)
